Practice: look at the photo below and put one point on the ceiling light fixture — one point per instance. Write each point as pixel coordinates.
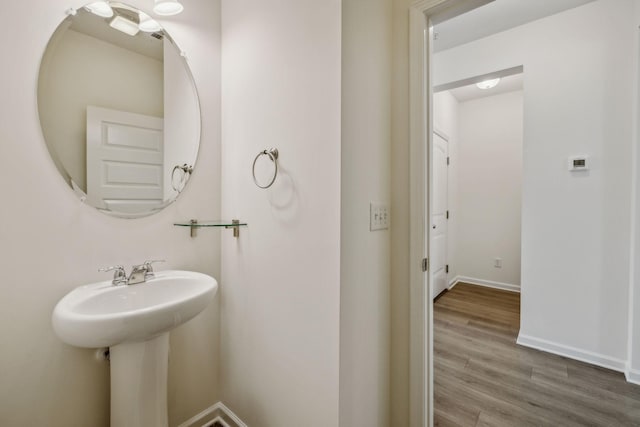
(124, 25)
(488, 84)
(100, 8)
(148, 24)
(167, 7)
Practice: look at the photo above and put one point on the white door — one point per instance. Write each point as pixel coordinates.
(125, 160)
(439, 216)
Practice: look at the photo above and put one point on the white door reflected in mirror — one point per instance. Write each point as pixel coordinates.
(125, 160)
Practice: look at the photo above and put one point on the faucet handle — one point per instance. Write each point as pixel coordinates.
(119, 275)
(149, 267)
(149, 262)
(117, 268)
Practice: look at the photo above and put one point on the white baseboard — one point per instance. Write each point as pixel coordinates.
(486, 283)
(217, 420)
(214, 413)
(573, 353)
(229, 413)
(204, 416)
(453, 282)
(632, 376)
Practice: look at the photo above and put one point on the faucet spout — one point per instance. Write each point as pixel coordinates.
(140, 273)
(137, 275)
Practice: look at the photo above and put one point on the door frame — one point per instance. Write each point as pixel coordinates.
(422, 14)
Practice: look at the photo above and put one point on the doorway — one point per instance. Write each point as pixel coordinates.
(477, 160)
(560, 134)
(478, 188)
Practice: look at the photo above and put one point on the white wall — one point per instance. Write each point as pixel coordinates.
(365, 265)
(575, 228)
(446, 120)
(50, 242)
(80, 70)
(281, 301)
(489, 196)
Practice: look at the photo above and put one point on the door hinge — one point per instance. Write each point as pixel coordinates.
(446, 268)
(447, 214)
(425, 264)
(448, 160)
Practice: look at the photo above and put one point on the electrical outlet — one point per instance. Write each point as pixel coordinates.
(497, 263)
(379, 217)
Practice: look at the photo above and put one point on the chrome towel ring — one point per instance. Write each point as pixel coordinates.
(186, 173)
(272, 153)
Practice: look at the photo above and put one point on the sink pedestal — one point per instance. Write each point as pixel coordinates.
(139, 383)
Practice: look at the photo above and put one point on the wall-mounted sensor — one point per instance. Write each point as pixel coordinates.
(578, 163)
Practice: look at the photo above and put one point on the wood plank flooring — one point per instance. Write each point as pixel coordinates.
(483, 378)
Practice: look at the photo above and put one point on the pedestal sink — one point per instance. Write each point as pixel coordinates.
(134, 322)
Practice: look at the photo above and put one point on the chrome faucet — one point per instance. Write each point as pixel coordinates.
(139, 273)
(119, 275)
(149, 268)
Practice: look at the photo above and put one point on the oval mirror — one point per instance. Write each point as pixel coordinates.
(119, 110)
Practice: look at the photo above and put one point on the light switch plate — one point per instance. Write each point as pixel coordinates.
(379, 216)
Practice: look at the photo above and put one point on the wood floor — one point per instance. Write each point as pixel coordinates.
(483, 378)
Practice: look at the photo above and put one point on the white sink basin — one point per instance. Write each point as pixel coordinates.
(103, 315)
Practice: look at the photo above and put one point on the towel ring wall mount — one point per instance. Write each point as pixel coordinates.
(273, 154)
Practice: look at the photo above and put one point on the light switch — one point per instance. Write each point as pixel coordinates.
(379, 216)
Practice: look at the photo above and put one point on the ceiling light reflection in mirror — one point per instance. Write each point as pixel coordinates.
(100, 8)
(118, 109)
(167, 7)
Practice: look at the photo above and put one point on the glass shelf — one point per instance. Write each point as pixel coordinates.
(216, 223)
(195, 224)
